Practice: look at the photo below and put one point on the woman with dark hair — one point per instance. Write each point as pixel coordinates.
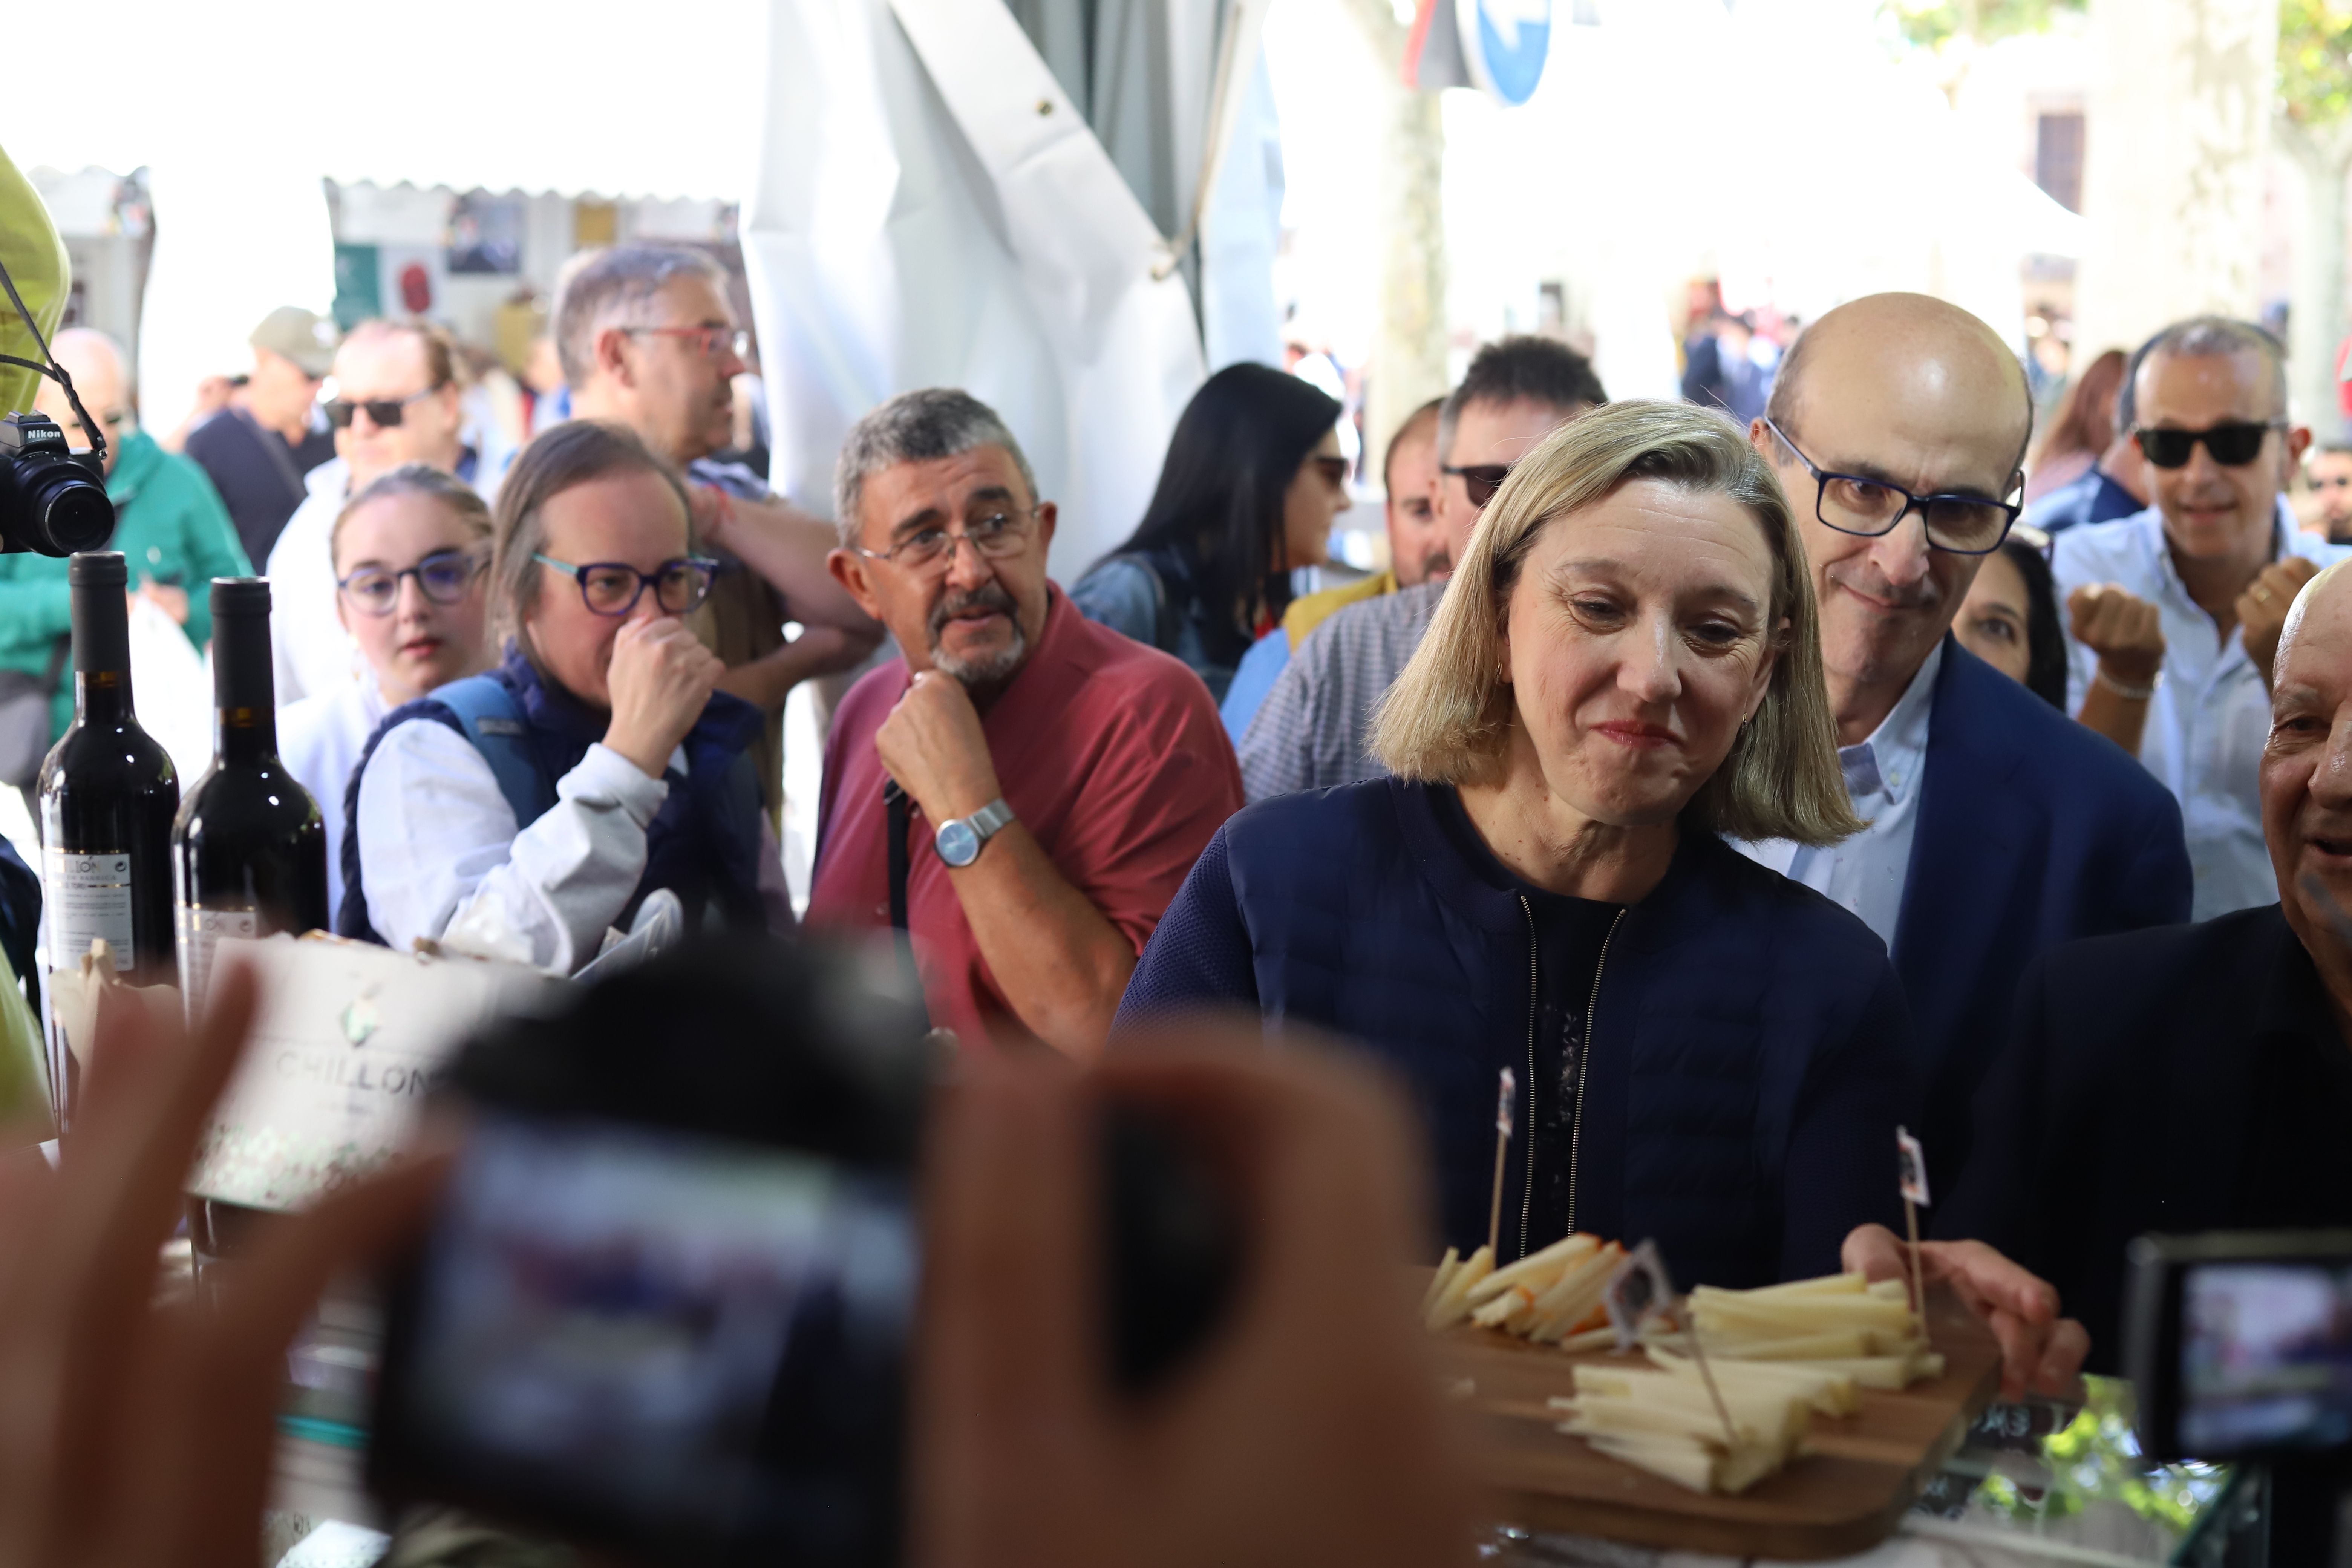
(1252, 480)
(2082, 427)
(2010, 618)
(523, 812)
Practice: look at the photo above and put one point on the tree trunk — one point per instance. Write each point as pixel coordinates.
(2315, 318)
(1408, 361)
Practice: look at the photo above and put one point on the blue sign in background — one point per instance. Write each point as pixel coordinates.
(1508, 41)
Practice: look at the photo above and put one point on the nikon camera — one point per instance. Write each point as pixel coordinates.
(53, 501)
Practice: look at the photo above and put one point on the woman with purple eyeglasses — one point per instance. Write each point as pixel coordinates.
(522, 812)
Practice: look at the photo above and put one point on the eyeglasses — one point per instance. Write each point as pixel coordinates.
(614, 587)
(2233, 444)
(999, 536)
(443, 577)
(1481, 479)
(710, 340)
(1956, 524)
(383, 413)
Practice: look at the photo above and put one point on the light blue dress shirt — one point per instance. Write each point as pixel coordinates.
(1883, 777)
(2211, 713)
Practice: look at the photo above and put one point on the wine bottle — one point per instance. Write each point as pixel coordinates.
(249, 848)
(107, 794)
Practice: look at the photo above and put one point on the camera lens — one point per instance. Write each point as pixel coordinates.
(62, 508)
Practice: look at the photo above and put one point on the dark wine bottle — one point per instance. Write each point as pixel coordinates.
(249, 850)
(107, 794)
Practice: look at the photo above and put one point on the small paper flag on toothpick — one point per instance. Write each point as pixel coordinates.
(1638, 1292)
(1914, 1168)
(1506, 1099)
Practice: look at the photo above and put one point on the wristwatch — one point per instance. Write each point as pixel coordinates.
(960, 838)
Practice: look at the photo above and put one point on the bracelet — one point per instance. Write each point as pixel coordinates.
(2099, 676)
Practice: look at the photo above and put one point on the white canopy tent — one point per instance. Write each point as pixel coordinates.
(238, 114)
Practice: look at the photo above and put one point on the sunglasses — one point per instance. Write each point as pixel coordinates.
(383, 413)
(2233, 444)
(1481, 479)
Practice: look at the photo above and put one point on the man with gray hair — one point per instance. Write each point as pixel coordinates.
(2220, 558)
(1065, 777)
(648, 340)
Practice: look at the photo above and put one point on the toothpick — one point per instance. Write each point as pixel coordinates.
(1706, 1375)
(1919, 1283)
(1504, 1100)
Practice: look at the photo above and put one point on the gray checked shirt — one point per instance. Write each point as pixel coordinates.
(1315, 727)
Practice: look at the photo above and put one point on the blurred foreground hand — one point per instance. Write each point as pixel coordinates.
(1307, 1431)
(129, 1434)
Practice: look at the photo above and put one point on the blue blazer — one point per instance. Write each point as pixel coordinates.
(2032, 831)
(1748, 1058)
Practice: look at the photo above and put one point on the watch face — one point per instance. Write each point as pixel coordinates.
(957, 844)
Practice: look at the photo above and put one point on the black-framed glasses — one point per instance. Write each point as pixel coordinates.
(383, 413)
(614, 587)
(997, 536)
(2234, 443)
(443, 576)
(1481, 479)
(1956, 524)
(709, 340)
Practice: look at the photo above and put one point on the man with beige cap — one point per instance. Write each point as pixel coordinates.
(258, 449)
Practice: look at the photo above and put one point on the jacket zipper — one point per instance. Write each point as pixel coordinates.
(1528, 1200)
(1584, 1061)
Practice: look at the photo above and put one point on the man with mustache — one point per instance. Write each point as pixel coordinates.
(2220, 558)
(2198, 1078)
(648, 340)
(1998, 826)
(1048, 783)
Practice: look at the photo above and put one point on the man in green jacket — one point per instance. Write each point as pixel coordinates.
(169, 524)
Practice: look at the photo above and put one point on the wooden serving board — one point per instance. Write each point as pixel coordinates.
(1845, 1498)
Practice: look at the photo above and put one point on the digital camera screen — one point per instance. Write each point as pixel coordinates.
(678, 1338)
(2266, 1357)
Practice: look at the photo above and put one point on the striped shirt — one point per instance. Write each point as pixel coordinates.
(1314, 730)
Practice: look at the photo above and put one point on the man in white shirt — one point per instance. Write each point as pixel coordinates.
(2220, 559)
(393, 399)
(1997, 827)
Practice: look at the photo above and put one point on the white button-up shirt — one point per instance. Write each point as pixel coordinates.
(2211, 713)
(1884, 776)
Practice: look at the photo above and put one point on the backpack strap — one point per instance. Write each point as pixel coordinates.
(488, 717)
(483, 710)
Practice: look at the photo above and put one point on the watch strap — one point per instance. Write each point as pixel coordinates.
(991, 820)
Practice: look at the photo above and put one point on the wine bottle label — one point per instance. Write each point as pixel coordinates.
(200, 931)
(89, 898)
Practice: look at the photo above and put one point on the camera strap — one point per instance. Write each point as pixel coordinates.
(899, 811)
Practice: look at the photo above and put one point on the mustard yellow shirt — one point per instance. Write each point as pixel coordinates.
(1304, 615)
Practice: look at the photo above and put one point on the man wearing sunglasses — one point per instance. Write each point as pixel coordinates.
(1997, 827)
(1023, 790)
(648, 340)
(1312, 730)
(2220, 558)
(393, 399)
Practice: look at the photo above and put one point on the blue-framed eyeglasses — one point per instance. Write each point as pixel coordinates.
(614, 587)
(443, 576)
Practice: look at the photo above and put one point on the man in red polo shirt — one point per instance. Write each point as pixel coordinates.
(1061, 778)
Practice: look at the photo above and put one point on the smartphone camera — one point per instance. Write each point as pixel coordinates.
(2240, 1345)
(669, 1299)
